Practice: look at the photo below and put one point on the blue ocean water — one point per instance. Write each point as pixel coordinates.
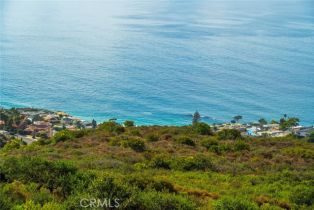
(156, 62)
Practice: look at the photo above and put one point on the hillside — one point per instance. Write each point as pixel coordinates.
(157, 167)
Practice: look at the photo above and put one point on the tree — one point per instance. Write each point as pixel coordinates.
(196, 117)
(262, 121)
(288, 123)
(202, 128)
(128, 123)
(94, 124)
(273, 122)
(237, 118)
(229, 134)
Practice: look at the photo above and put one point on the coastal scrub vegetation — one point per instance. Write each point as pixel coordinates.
(158, 167)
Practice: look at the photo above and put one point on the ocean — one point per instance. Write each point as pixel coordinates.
(156, 62)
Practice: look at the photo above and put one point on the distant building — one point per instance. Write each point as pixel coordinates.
(304, 132)
(39, 126)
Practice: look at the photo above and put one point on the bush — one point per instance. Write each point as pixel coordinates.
(160, 161)
(111, 127)
(202, 128)
(186, 141)
(4, 203)
(51, 175)
(310, 138)
(143, 182)
(129, 123)
(229, 134)
(13, 144)
(209, 142)
(110, 188)
(241, 145)
(235, 204)
(136, 144)
(162, 201)
(79, 133)
(303, 195)
(63, 136)
(152, 137)
(199, 162)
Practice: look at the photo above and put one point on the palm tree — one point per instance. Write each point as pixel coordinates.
(237, 118)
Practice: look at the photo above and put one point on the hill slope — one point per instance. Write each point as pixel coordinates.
(157, 168)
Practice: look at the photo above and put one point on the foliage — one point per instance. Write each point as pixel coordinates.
(303, 195)
(237, 118)
(196, 117)
(161, 161)
(162, 201)
(159, 173)
(136, 144)
(235, 204)
(262, 121)
(288, 123)
(62, 136)
(152, 137)
(199, 162)
(186, 140)
(111, 127)
(310, 138)
(129, 123)
(229, 134)
(13, 144)
(241, 145)
(202, 128)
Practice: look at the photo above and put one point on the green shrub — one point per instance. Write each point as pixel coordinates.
(160, 161)
(51, 175)
(268, 206)
(13, 144)
(110, 188)
(162, 201)
(63, 136)
(111, 127)
(209, 142)
(310, 138)
(199, 162)
(241, 145)
(152, 137)
(136, 144)
(235, 204)
(128, 123)
(229, 134)
(186, 140)
(224, 147)
(144, 182)
(303, 195)
(79, 133)
(202, 128)
(135, 132)
(4, 203)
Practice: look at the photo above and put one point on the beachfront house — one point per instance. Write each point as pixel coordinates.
(304, 131)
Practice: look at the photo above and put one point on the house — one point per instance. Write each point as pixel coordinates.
(304, 131)
(39, 126)
(67, 120)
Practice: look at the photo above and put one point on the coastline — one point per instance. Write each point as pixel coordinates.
(32, 124)
(146, 119)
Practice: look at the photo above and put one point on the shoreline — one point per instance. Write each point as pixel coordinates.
(31, 124)
(185, 118)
